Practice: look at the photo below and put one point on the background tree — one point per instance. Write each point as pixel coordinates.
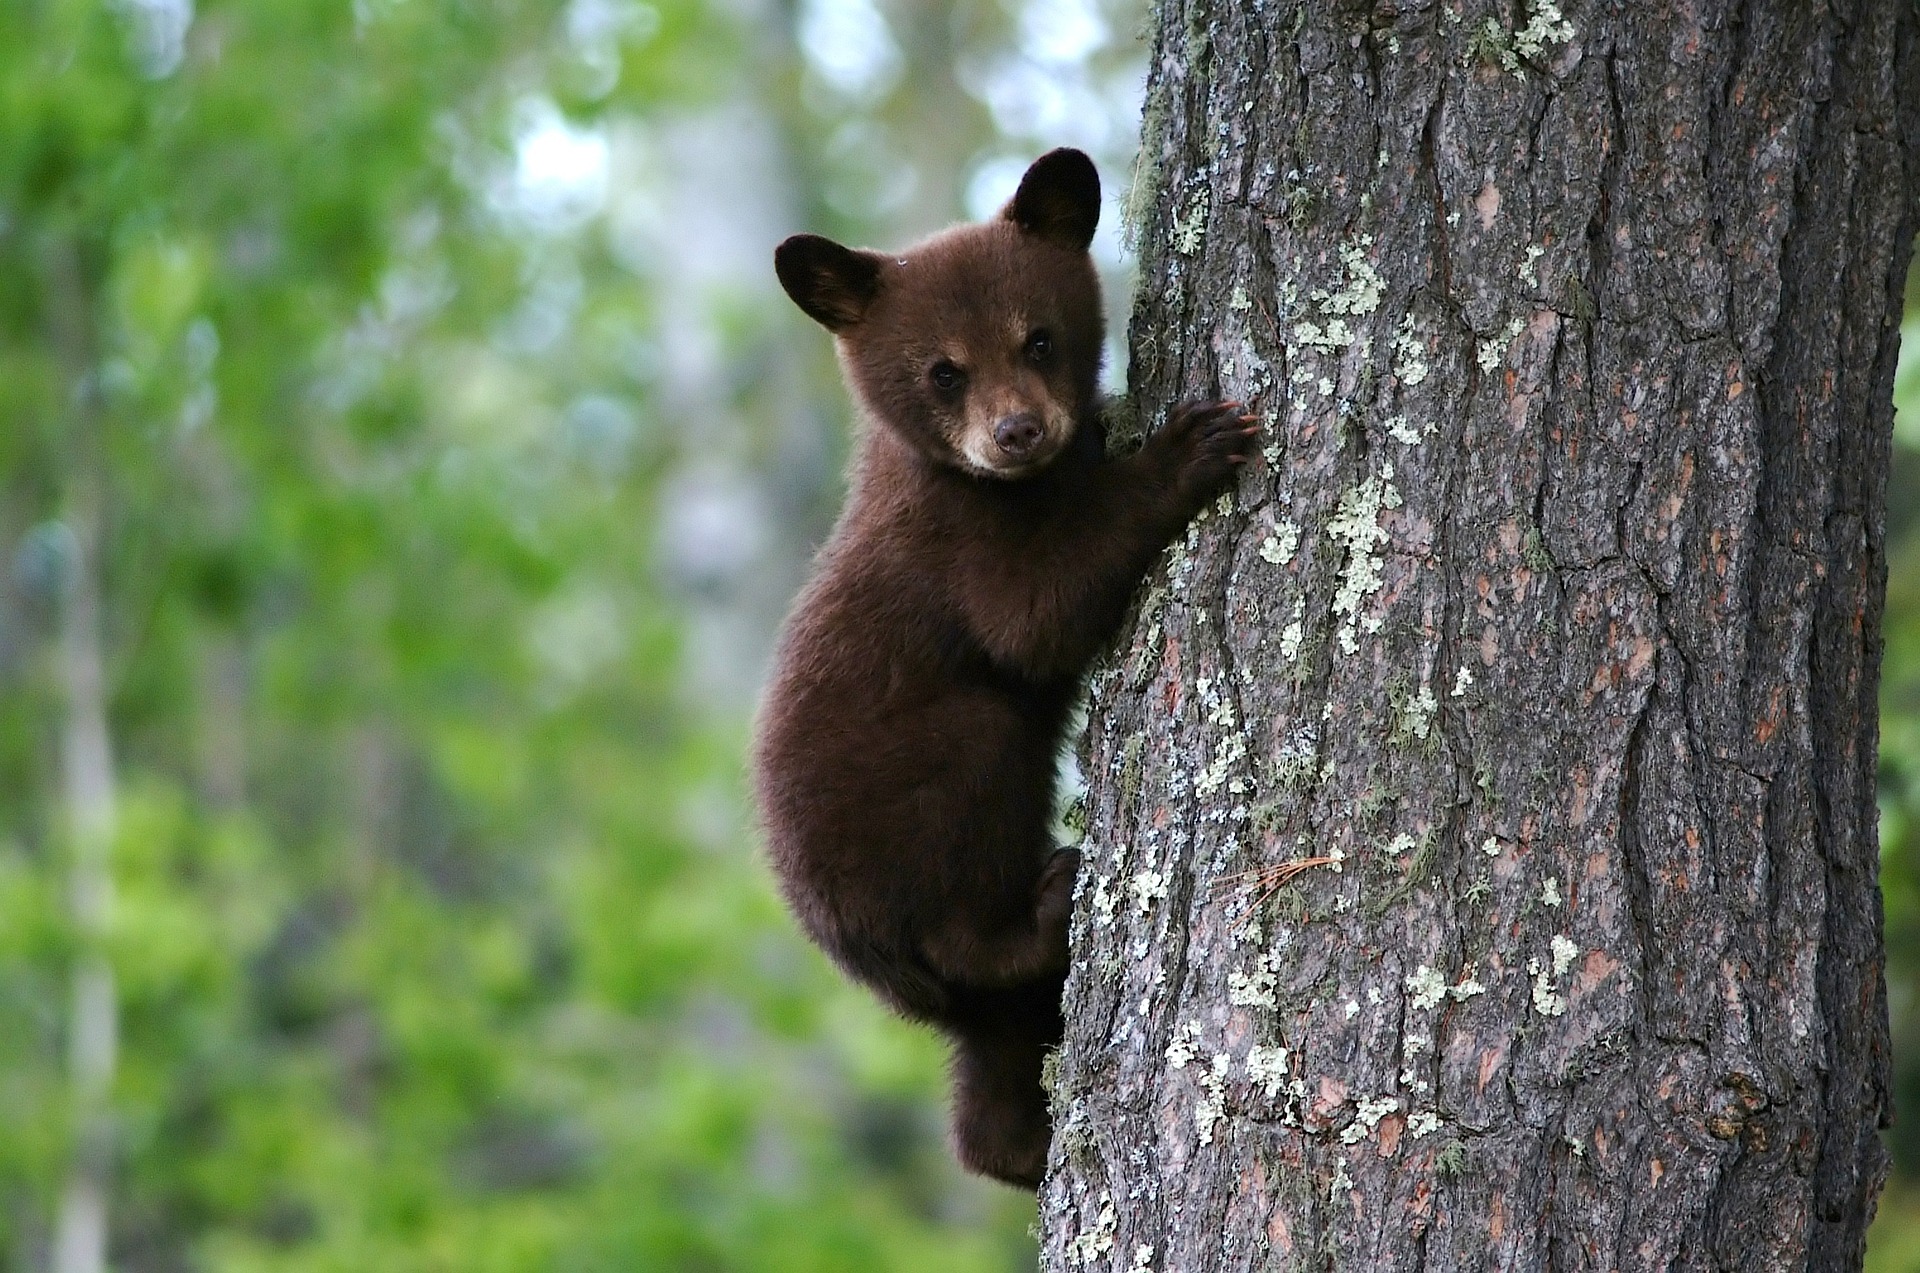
(1481, 824)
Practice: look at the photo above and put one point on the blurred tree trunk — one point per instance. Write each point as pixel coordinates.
(86, 769)
(1544, 646)
(86, 761)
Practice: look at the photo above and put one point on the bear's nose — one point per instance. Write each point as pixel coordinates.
(1017, 435)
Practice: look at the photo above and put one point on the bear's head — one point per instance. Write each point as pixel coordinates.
(981, 346)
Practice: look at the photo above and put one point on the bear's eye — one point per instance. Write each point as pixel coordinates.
(1040, 345)
(946, 377)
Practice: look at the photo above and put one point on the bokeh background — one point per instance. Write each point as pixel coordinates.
(398, 411)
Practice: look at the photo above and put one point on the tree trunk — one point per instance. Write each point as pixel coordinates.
(1541, 652)
(87, 777)
(86, 762)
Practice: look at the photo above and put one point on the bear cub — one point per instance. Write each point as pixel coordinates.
(904, 761)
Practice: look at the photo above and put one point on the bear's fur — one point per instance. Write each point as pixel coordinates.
(905, 757)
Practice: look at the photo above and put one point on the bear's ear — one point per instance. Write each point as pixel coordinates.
(833, 284)
(1058, 199)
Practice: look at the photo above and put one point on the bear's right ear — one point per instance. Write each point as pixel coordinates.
(834, 285)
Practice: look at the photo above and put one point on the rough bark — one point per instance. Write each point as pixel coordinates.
(1548, 632)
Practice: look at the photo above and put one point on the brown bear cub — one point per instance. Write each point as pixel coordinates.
(905, 758)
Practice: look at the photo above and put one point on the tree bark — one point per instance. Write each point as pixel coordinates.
(1541, 650)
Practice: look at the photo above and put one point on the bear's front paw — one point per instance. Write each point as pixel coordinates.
(1055, 893)
(1208, 442)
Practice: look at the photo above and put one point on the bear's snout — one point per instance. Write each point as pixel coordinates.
(1017, 435)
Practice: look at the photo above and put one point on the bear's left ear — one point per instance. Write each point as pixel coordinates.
(1058, 199)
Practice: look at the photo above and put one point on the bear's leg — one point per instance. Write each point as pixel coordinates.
(1001, 1127)
(1001, 1123)
(1011, 943)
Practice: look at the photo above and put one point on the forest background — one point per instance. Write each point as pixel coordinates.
(409, 382)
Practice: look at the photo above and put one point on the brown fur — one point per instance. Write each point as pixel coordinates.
(907, 741)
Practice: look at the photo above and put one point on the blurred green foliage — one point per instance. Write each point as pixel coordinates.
(432, 446)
